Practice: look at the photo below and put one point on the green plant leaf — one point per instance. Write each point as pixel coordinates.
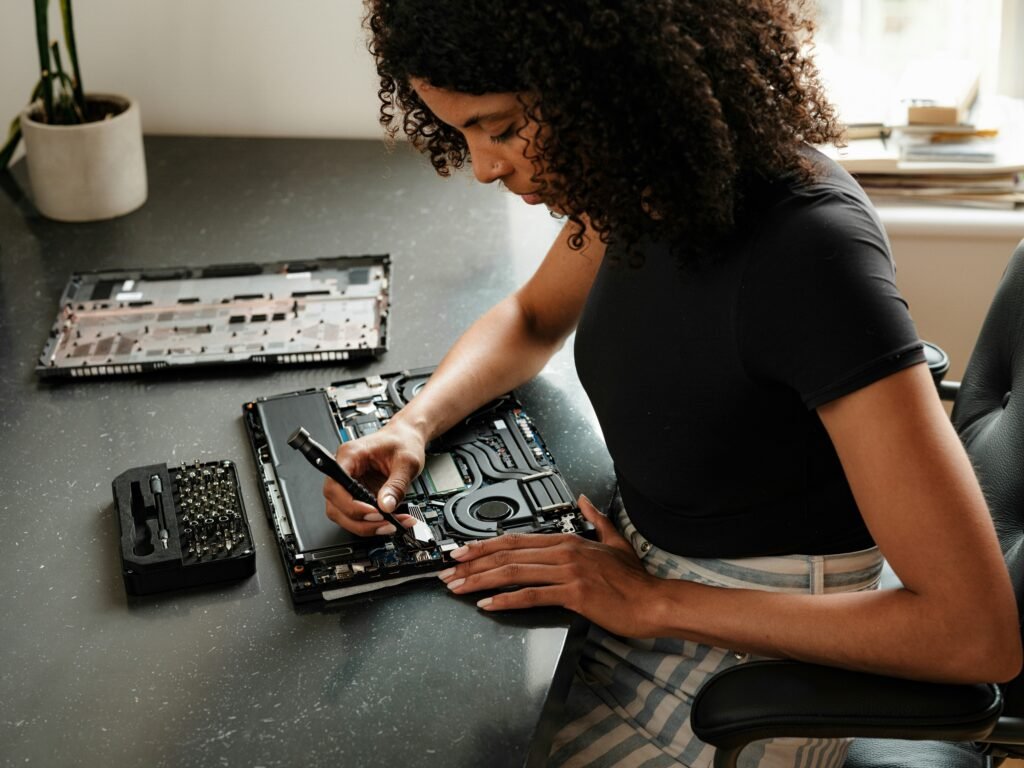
(69, 41)
(68, 112)
(13, 138)
(14, 131)
(14, 127)
(43, 43)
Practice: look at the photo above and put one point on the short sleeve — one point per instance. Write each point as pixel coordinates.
(818, 308)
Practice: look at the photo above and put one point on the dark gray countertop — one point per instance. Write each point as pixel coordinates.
(235, 675)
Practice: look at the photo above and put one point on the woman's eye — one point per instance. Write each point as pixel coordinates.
(505, 135)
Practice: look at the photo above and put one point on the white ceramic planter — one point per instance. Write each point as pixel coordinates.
(87, 172)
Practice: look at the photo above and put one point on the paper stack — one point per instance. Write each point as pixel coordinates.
(976, 162)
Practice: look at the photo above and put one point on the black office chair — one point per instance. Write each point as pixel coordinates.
(899, 723)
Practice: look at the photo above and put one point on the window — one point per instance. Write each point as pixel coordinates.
(863, 46)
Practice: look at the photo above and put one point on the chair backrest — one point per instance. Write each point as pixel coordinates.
(988, 413)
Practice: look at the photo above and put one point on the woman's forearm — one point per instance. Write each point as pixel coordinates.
(497, 353)
(512, 342)
(892, 632)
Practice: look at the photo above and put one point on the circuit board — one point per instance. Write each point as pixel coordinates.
(116, 322)
(489, 475)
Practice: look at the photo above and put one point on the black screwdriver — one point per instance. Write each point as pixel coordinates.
(318, 456)
(157, 487)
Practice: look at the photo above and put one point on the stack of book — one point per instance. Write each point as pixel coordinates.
(983, 171)
(943, 144)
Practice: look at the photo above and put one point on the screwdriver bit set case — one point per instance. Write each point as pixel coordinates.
(182, 526)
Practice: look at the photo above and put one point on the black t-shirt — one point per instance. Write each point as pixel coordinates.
(705, 380)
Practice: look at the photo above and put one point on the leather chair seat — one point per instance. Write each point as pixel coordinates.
(886, 753)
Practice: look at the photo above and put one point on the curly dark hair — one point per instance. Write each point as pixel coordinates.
(660, 116)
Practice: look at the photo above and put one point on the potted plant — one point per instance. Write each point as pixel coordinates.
(84, 151)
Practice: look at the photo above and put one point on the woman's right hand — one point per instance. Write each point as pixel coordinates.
(390, 459)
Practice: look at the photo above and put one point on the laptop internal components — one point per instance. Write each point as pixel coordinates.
(490, 474)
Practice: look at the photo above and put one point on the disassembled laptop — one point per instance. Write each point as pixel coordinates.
(490, 474)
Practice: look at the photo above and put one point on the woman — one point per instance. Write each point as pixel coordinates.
(707, 250)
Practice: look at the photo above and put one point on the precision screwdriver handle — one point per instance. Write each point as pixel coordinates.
(157, 487)
(318, 456)
(359, 491)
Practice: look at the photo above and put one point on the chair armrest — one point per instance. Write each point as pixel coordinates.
(948, 390)
(769, 699)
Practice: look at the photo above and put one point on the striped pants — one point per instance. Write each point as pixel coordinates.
(629, 704)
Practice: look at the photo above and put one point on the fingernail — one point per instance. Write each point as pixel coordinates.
(409, 522)
(389, 502)
(456, 584)
(583, 497)
(446, 574)
(374, 517)
(484, 603)
(385, 530)
(460, 552)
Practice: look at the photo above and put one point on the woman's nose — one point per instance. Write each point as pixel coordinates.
(488, 167)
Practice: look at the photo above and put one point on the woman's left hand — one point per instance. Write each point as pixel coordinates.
(602, 580)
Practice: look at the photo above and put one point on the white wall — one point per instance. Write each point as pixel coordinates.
(212, 67)
(948, 264)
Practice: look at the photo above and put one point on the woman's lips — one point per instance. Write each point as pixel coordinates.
(531, 198)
